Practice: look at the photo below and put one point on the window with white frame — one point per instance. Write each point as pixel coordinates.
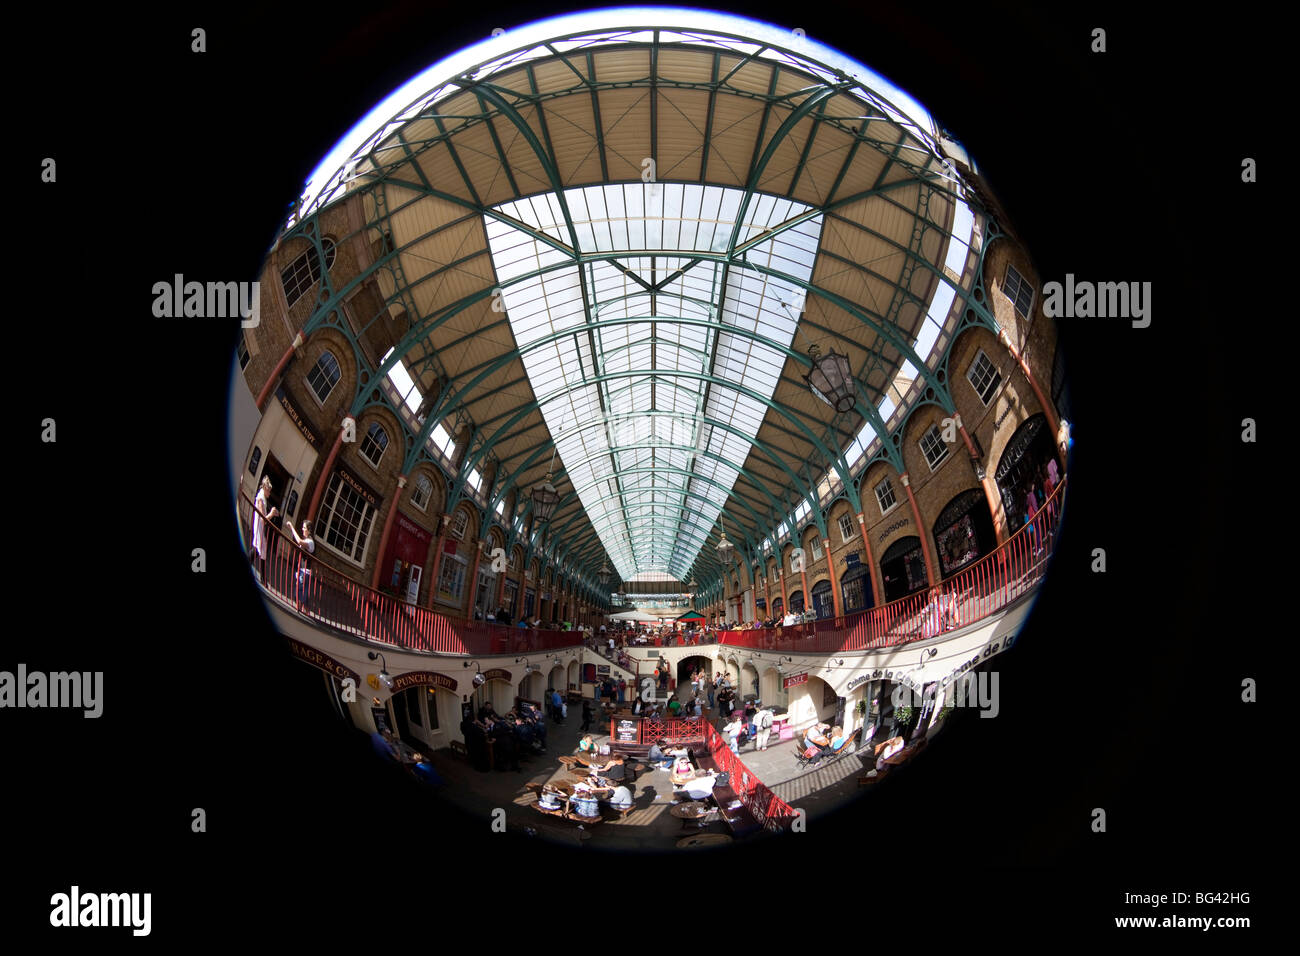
(817, 551)
(346, 517)
(885, 496)
(459, 521)
(422, 492)
(373, 444)
(324, 375)
(933, 447)
(983, 376)
(846, 527)
(304, 272)
(513, 565)
(1018, 290)
(451, 578)
(776, 574)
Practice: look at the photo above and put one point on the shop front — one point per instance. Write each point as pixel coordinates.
(823, 604)
(902, 568)
(855, 585)
(408, 549)
(963, 532)
(1023, 466)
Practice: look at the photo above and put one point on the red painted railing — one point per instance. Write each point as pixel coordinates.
(1004, 575)
(768, 809)
(330, 597)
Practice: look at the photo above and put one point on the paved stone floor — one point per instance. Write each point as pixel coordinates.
(650, 826)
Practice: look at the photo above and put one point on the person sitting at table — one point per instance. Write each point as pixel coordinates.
(658, 756)
(614, 772)
(621, 798)
(587, 745)
(838, 739)
(424, 771)
(674, 706)
(816, 743)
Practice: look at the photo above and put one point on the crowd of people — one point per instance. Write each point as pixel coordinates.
(520, 732)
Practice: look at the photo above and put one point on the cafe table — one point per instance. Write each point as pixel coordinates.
(693, 811)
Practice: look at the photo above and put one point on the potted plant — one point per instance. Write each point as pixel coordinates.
(902, 718)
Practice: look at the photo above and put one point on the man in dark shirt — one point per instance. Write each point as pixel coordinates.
(616, 772)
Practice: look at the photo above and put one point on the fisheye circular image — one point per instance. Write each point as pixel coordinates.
(650, 426)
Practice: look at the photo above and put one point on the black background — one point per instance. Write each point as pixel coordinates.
(1122, 693)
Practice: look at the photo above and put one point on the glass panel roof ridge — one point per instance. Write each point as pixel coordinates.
(545, 38)
(638, 366)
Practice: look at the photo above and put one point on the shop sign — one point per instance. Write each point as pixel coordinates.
(422, 679)
(794, 680)
(319, 659)
(496, 673)
(360, 487)
(295, 416)
(900, 523)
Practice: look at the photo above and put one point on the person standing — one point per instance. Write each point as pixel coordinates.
(708, 683)
(557, 707)
(262, 517)
(308, 545)
(622, 689)
(586, 715)
(763, 723)
(732, 733)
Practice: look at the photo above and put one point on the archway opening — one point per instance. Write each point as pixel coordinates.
(902, 568)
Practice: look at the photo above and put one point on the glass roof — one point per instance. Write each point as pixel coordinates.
(626, 397)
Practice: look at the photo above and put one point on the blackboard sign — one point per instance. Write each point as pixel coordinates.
(626, 732)
(381, 718)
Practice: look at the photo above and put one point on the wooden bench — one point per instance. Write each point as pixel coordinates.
(739, 819)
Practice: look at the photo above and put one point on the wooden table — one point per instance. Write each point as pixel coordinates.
(693, 811)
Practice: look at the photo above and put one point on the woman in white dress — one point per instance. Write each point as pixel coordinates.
(261, 518)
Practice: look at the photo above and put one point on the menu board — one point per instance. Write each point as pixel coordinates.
(626, 732)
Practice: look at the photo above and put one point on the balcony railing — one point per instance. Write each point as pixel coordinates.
(971, 595)
(309, 586)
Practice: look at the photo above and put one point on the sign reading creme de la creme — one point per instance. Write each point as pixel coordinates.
(422, 679)
(321, 660)
(905, 676)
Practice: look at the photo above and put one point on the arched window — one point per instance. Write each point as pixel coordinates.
(373, 445)
(325, 374)
(422, 492)
(304, 272)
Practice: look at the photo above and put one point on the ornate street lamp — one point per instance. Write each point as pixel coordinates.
(831, 379)
(545, 498)
(725, 550)
(603, 574)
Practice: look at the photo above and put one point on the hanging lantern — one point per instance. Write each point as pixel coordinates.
(603, 574)
(831, 379)
(545, 498)
(725, 549)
